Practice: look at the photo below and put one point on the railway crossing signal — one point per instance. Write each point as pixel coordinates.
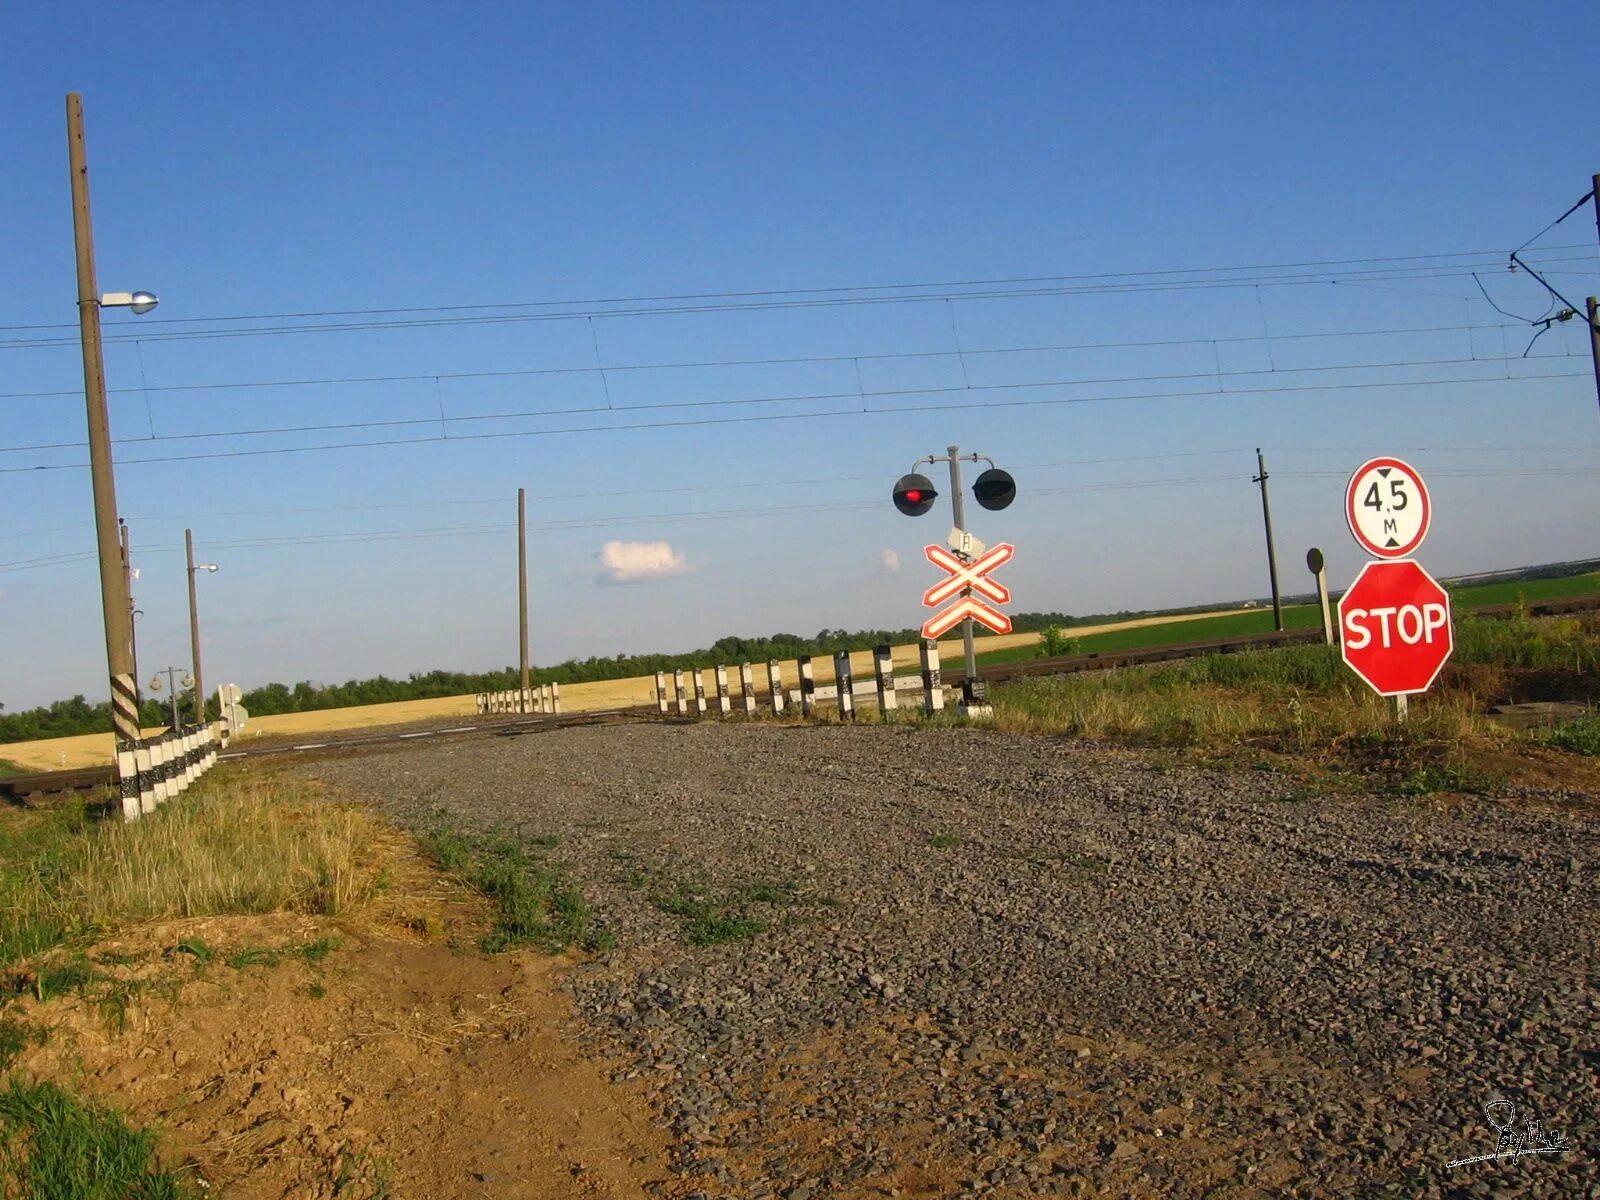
(1394, 627)
(914, 494)
(994, 489)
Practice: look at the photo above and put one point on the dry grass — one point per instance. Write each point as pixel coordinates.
(247, 844)
(238, 842)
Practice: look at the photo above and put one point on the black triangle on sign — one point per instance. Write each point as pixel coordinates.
(1384, 471)
(1391, 542)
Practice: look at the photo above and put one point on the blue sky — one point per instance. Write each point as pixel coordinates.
(297, 159)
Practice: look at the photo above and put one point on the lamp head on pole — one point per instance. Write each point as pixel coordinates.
(139, 302)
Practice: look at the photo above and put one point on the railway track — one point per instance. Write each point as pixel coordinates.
(19, 787)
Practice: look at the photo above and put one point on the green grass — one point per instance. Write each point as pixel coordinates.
(9, 768)
(1147, 636)
(1298, 616)
(944, 841)
(54, 1146)
(710, 917)
(1484, 595)
(535, 903)
(1577, 737)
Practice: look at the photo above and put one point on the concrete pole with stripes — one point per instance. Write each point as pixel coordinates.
(699, 692)
(808, 686)
(555, 697)
(883, 668)
(845, 683)
(724, 703)
(747, 689)
(661, 692)
(775, 682)
(682, 696)
(932, 683)
(114, 603)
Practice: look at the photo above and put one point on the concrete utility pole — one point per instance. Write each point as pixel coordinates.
(133, 612)
(113, 589)
(194, 631)
(1272, 553)
(522, 592)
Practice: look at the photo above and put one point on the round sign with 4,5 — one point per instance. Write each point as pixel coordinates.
(1387, 507)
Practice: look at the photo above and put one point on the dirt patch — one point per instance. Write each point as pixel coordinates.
(366, 1061)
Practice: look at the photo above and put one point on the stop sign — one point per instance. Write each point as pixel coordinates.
(1394, 627)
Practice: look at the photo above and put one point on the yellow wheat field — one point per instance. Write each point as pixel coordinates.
(86, 750)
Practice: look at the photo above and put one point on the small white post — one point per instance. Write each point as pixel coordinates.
(775, 681)
(661, 692)
(747, 689)
(683, 696)
(932, 683)
(1402, 709)
(844, 684)
(555, 697)
(808, 686)
(128, 780)
(699, 692)
(883, 668)
(724, 703)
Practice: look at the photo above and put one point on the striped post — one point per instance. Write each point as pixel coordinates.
(144, 770)
(699, 692)
(724, 702)
(125, 708)
(747, 689)
(188, 759)
(883, 667)
(555, 697)
(128, 780)
(932, 684)
(661, 692)
(682, 696)
(808, 686)
(846, 683)
(775, 682)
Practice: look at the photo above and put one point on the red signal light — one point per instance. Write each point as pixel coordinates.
(914, 495)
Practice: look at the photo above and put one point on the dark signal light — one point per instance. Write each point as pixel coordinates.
(914, 494)
(995, 489)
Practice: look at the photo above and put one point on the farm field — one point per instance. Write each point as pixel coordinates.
(86, 750)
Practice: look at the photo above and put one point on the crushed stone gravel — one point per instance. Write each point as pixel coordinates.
(994, 964)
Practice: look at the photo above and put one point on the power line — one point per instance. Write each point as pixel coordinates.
(1437, 272)
(797, 360)
(795, 398)
(821, 291)
(769, 417)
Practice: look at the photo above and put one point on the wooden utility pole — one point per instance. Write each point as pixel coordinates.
(522, 592)
(1272, 552)
(113, 588)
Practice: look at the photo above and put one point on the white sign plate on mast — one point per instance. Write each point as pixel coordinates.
(1387, 506)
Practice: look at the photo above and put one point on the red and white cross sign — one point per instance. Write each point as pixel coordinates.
(964, 575)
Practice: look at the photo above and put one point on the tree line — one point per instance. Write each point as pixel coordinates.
(66, 718)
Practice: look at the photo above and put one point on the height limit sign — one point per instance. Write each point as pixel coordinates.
(1387, 507)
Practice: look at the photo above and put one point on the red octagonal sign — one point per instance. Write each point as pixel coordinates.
(1394, 627)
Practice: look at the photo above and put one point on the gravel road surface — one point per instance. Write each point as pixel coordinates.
(1003, 965)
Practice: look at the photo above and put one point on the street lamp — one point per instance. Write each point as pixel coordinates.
(194, 627)
(173, 684)
(114, 591)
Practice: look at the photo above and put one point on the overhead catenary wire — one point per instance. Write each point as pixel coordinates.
(804, 397)
(1451, 271)
(790, 360)
(843, 289)
(772, 417)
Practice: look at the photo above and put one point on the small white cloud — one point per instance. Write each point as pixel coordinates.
(890, 560)
(635, 562)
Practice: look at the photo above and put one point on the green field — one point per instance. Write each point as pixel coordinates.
(1300, 616)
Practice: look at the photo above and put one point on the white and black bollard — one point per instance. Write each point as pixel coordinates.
(808, 686)
(724, 701)
(932, 683)
(775, 682)
(883, 668)
(845, 683)
(747, 689)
